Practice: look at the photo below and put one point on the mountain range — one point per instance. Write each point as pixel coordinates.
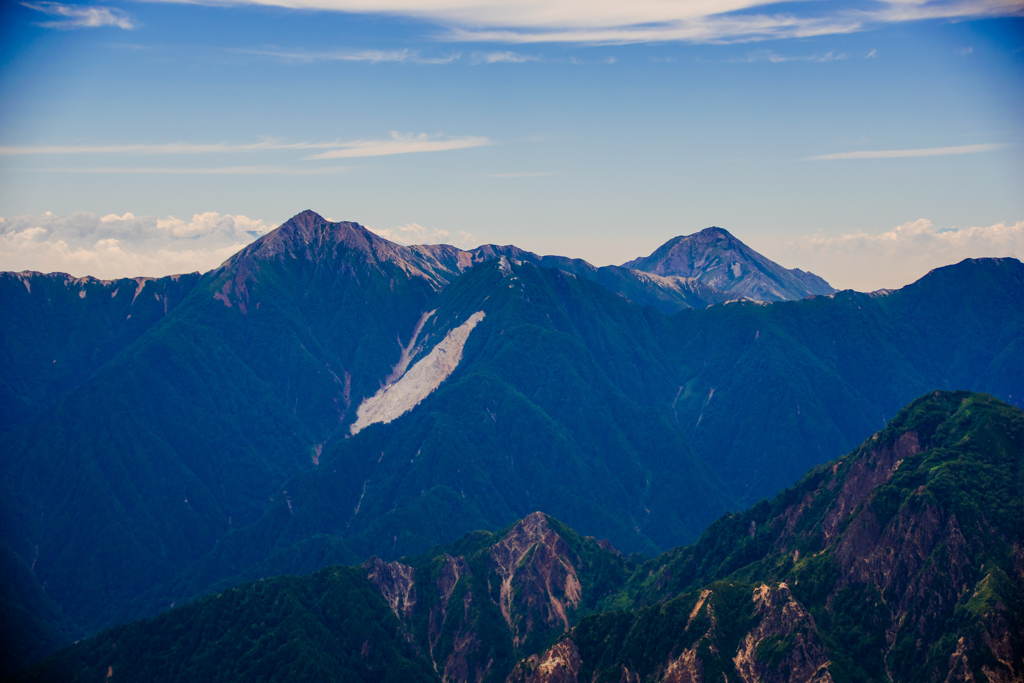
(327, 395)
(900, 561)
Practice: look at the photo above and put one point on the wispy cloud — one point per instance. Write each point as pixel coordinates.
(398, 144)
(72, 17)
(401, 144)
(372, 56)
(520, 174)
(161, 148)
(643, 21)
(497, 57)
(226, 170)
(113, 246)
(770, 56)
(902, 255)
(870, 55)
(901, 153)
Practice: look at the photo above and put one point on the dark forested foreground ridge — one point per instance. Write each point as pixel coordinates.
(902, 561)
(326, 395)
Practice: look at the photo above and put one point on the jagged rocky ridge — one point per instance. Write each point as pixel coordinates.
(211, 447)
(901, 561)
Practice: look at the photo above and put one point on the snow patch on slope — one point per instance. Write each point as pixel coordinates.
(419, 382)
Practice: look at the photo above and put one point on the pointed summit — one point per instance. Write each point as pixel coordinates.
(717, 259)
(310, 238)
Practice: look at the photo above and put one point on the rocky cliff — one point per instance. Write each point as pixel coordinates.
(900, 562)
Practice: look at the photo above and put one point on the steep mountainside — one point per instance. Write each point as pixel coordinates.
(190, 430)
(552, 406)
(56, 330)
(717, 259)
(327, 395)
(766, 392)
(901, 561)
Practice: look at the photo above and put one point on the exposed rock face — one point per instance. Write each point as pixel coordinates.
(511, 596)
(717, 259)
(877, 546)
(396, 399)
(798, 655)
(396, 582)
(559, 664)
(539, 584)
(452, 569)
(865, 476)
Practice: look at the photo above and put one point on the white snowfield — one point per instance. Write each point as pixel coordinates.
(398, 398)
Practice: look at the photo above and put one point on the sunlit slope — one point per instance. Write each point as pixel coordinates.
(716, 259)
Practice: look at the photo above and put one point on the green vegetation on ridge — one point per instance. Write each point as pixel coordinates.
(899, 561)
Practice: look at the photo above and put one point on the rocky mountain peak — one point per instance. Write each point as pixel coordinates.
(716, 258)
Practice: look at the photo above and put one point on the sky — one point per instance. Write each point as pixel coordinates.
(865, 141)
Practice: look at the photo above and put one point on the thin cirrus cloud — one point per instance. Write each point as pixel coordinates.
(903, 153)
(399, 143)
(639, 21)
(70, 17)
(503, 57)
(226, 170)
(521, 174)
(775, 58)
(371, 56)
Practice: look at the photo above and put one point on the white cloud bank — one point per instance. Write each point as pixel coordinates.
(114, 246)
(902, 255)
(641, 21)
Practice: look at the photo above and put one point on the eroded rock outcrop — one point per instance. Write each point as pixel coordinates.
(396, 582)
(539, 584)
(784, 647)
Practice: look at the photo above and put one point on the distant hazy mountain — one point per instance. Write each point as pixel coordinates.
(326, 395)
(899, 561)
(717, 259)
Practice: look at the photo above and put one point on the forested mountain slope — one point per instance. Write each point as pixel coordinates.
(56, 330)
(765, 392)
(519, 424)
(225, 440)
(900, 561)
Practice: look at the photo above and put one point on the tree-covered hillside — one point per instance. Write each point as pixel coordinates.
(213, 443)
(900, 561)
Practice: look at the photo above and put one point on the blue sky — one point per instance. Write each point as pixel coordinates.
(865, 141)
